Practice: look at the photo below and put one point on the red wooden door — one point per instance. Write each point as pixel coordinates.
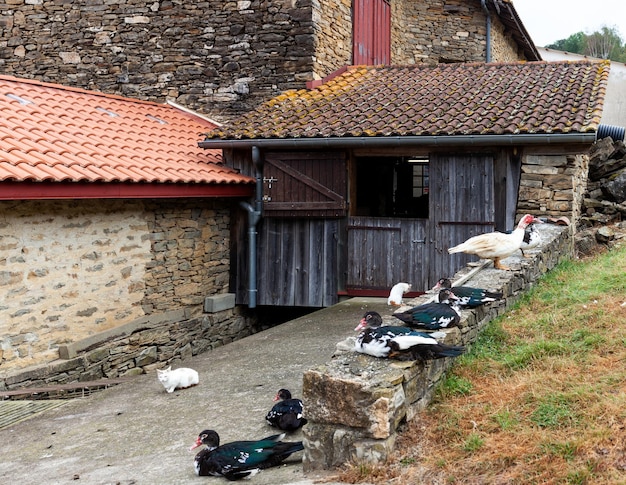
(371, 32)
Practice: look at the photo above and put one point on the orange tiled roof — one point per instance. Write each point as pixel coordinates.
(52, 133)
(445, 100)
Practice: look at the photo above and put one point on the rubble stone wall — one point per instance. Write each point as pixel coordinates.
(222, 58)
(73, 269)
(605, 194)
(356, 403)
(138, 347)
(553, 185)
(435, 31)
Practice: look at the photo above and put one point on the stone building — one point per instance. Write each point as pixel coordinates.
(114, 232)
(368, 178)
(224, 58)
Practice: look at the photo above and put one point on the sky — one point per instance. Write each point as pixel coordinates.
(550, 20)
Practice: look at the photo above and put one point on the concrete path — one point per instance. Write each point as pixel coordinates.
(136, 433)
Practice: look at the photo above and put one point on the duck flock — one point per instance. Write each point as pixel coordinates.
(418, 338)
(424, 325)
(243, 459)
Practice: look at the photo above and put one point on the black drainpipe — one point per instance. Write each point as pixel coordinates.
(254, 215)
(615, 132)
(488, 27)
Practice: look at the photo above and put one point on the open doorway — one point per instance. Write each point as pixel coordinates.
(392, 187)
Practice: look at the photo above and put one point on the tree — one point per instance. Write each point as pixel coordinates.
(603, 44)
(574, 43)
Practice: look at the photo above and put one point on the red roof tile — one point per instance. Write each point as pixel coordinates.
(52, 133)
(448, 99)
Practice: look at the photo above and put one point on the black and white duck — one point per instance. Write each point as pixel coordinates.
(240, 459)
(531, 240)
(287, 413)
(442, 313)
(468, 296)
(401, 343)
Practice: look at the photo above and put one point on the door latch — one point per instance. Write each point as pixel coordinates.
(269, 181)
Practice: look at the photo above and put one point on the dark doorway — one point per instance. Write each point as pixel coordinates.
(392, 187)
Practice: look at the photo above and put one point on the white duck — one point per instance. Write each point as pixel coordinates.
(496, 245)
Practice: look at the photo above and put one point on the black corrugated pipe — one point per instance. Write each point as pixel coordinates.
(615, 132)
(488, 27)
(254, 215)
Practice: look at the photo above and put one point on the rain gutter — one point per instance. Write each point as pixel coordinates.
(405, 141)
(254, 215)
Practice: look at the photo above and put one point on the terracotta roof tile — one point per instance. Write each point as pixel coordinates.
(449, 99)
(54, 133)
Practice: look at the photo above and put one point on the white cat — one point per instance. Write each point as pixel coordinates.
(177, 378)
(395, 295)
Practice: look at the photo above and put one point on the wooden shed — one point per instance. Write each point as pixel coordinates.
(368, 178)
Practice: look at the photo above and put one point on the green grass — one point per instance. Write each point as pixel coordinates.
(539, 397)
(546, 378)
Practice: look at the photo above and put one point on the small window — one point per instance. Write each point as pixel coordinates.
(392, 187)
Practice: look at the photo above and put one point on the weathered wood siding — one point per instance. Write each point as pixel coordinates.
(462, 205)
(304, 184)
(385, 251)
(308, 260)
(299, 262)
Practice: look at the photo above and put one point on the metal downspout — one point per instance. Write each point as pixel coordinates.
(488, 27)
(254, 215)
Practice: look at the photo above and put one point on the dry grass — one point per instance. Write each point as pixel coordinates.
(540, 399)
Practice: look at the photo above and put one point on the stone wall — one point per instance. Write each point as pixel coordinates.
(332, 23)
(553, 185)
(137, 347)
(73, 269)
(605, 195)
(220, 58)
(503, 46)
(356, 403)
(435, 31)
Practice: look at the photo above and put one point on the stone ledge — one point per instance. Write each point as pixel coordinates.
(219, 303)
(357, 403)
(72, 350)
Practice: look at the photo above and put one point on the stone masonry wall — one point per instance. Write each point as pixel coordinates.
(356, 403)
(435, 31)
(553, 185)
(73, 269)
(332, 23)
(503, 47)
(138, 347)
(221, 58)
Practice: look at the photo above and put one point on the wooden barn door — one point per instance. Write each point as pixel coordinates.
(383, 251)
(304, 184)
(299, 242)
(462, 205)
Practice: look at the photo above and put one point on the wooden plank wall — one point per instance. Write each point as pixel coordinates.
(299, 261)
(385, 251)
(462, 205)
